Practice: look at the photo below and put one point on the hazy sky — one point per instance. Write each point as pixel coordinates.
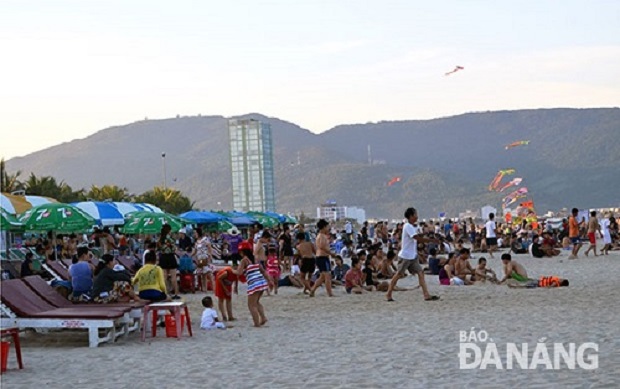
(71, 68)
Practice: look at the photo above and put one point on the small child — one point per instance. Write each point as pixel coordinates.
(273, 268)
(483, 274)
(353, 278)
(209, 319)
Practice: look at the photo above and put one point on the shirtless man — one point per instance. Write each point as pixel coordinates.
(306, 252)
(323, 252)
(462, 269)
(513, 270)
(593, 227)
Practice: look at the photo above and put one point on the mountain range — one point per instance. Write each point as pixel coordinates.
(444, 165)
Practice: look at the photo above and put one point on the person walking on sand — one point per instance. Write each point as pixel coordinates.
(408, 255)
(573, 233)
(593, 228)
(306, 252)
(491, 236)
(256, 278)
(323, 252)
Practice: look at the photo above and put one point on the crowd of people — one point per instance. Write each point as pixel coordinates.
(374, 258)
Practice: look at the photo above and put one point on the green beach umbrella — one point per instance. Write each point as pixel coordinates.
(57, 217)
(151, 222)
(220, 226)
(9, 222)
(289, 219)
(265, 220)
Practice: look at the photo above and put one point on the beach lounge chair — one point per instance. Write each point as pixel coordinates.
(22, 307)
(49, 294)
(13, 268)
(16, 254)
(127, 263)
(57, 270)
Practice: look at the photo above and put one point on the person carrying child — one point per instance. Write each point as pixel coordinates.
(209, 320)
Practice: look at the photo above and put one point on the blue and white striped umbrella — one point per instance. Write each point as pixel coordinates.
(125, 208)
(105, 213)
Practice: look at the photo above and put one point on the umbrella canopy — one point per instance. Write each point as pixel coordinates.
(151, 222)
(14, 204)
(220, 226)
(105, 213)
(281, 218)
(289, 219)
(124, 207)
(39, 200)
(58, 217)
(8, 222)
(202, 217)
(264, 219)
(238, 218)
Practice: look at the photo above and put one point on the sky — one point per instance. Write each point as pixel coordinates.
(71, 68)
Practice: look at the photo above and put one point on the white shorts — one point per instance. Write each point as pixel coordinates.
(457, 281)
(215, 325)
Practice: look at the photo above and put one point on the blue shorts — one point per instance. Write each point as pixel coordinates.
(323, 264)
(152, 295)
(575, 240)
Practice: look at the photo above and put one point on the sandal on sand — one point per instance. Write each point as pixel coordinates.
(432, 298)
(390, 300)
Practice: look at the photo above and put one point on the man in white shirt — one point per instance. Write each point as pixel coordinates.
(348, 229)
(491, 237)
(408, 255)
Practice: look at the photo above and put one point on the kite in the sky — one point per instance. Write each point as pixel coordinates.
(514, 182)
(514, 196)
(517, 143)
(456, 69)
(393, 181)
(494, 185)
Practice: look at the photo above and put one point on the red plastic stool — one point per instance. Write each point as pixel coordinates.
(174, 308)
(14, 332)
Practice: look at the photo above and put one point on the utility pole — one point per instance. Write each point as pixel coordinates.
(163, 159)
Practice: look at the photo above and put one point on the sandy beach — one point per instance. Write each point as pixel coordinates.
(355, 341)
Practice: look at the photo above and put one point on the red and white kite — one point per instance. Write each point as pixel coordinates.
(456, 69)
(393, 181)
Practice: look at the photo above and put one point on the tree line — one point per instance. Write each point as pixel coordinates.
(168, 199)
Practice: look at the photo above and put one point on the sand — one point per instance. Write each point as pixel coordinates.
(355, 341)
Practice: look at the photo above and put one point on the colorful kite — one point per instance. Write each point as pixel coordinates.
(456, 69)
(494, 185)
(393, 181)
(514, 182)
(517, 143)
(514, 196)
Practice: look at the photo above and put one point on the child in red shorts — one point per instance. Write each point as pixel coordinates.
(225, 281)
